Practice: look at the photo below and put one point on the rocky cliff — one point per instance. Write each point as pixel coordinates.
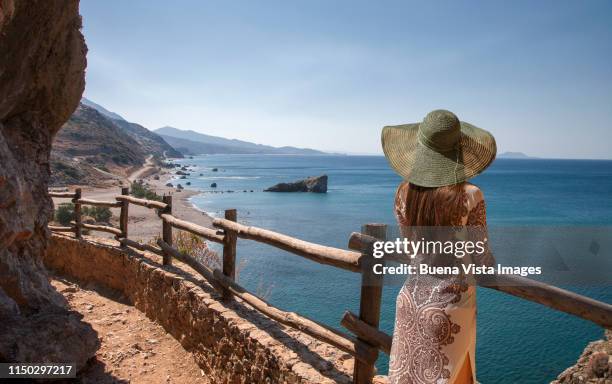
(42, 63)
(594, 365)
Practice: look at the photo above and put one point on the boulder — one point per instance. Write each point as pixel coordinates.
(213, 185)
(88, 220)
(315, 184)
(42, 64)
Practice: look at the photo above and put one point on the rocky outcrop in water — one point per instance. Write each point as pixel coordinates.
(42, 63)
(315, 184)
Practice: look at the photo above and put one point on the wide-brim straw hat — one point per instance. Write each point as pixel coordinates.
(439, 151)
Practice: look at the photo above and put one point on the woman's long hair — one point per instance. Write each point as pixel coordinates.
(439, 206)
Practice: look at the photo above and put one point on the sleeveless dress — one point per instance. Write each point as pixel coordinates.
(435, 323)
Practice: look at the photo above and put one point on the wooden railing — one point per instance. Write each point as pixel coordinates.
(367, 339)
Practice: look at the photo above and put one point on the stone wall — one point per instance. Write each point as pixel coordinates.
(231, 342)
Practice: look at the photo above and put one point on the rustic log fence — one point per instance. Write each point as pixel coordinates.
(368, 339)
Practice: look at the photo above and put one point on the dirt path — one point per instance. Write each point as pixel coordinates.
(147, 166)
(133, 348)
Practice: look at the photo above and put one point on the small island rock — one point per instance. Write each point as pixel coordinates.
(315, 184)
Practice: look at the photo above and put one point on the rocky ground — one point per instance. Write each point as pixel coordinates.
(133, 348)
(594, 365)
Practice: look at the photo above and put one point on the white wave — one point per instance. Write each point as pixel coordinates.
(228, 177)
(195, 206)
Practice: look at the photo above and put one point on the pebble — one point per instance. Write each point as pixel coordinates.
(70, 289)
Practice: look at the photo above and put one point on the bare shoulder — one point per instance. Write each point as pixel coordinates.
(474, 193)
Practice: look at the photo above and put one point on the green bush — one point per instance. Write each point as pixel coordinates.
(142, 191)
(64, 213)
(100, 214)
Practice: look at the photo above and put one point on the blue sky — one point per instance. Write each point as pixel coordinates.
(330, 74)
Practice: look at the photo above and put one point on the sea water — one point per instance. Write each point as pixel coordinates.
(518, 341)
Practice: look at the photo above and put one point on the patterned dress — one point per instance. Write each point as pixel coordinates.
(435, 321)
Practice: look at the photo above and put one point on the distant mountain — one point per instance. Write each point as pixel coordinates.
(514, 155)
(90, 146)
(188, 147)
(193, 143)
(101, 109)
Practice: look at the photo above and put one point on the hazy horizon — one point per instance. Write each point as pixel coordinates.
(329, 76)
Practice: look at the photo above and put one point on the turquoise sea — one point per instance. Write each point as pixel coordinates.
(518, 342)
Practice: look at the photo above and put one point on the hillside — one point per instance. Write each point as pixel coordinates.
(194, 143)
(89, 146)
(101, 109)
(149, 142)
(96, 145)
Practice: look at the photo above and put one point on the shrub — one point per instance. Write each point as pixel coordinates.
(140, 190)
(64, 213)
(190, 244)
(100, 214)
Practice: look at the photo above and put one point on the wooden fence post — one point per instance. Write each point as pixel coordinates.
(77, 213)
(370, 300)
(123, 217)
(229, 251)
(167, 229)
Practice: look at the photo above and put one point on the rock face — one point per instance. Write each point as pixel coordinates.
(42, 62)
(594, 365)
(316, 184)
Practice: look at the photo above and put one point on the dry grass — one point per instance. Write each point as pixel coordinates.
(190, 244)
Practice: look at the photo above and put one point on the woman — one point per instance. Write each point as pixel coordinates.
(435, 324)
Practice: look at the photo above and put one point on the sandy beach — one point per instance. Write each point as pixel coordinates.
(143, 223)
